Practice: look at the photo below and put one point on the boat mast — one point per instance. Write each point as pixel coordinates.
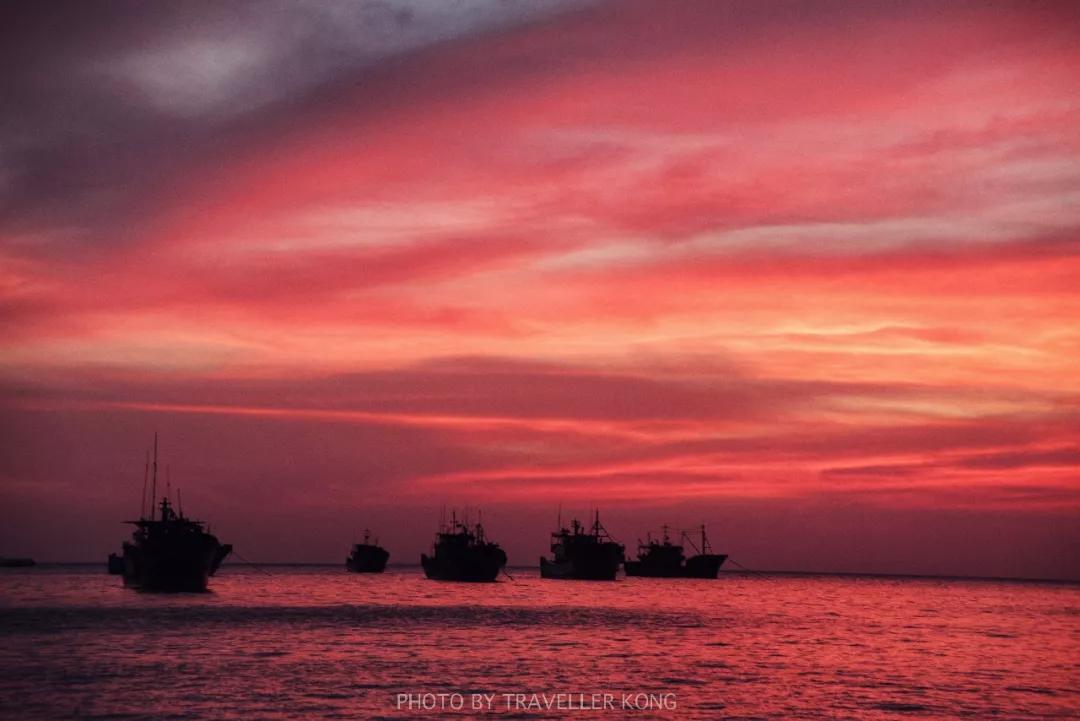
(153, 491)
(145, 480)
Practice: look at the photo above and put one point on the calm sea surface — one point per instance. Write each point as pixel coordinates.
(316, 642)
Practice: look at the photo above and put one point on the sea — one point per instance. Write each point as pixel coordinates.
(316, 642)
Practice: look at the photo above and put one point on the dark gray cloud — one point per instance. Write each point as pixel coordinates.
(104, 103)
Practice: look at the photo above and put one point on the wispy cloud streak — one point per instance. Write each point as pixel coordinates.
(627, 253)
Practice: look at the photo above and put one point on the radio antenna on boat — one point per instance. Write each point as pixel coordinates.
(180, 501)
(153, 488)
(145, 480)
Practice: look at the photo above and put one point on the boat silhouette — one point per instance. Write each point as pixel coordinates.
(463, 553)
(580, 554)
(6, 562)
(664, 559)
(367, 556)
(167, 550)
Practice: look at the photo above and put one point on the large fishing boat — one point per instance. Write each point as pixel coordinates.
(577, 553)
(367, 556)
(168, 551)
(664, 559)
(463, 553)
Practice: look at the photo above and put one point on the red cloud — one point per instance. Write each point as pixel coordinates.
(705, 254)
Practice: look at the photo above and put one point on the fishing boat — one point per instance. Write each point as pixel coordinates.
(6, 562)
(463, 553)
(664, 559)
(583, 554)
(169, 551)
(367, 556)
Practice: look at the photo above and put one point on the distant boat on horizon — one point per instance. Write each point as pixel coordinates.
(367, 556)
(664, 559)
(580, 554)
(463, 553)
(8, 562)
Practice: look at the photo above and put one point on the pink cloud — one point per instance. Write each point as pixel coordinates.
(707, 254)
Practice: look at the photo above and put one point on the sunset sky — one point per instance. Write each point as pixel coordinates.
(809, 272)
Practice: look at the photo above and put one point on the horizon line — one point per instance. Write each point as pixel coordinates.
(733, 572)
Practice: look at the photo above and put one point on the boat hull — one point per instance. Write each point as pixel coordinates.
(371, 559)
(17, 562)
(593, 569)
(652, 570)
(469, 568)
(700, 566)
(184, 567)
(704, 566)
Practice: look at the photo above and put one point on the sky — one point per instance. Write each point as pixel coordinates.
(806, 272)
